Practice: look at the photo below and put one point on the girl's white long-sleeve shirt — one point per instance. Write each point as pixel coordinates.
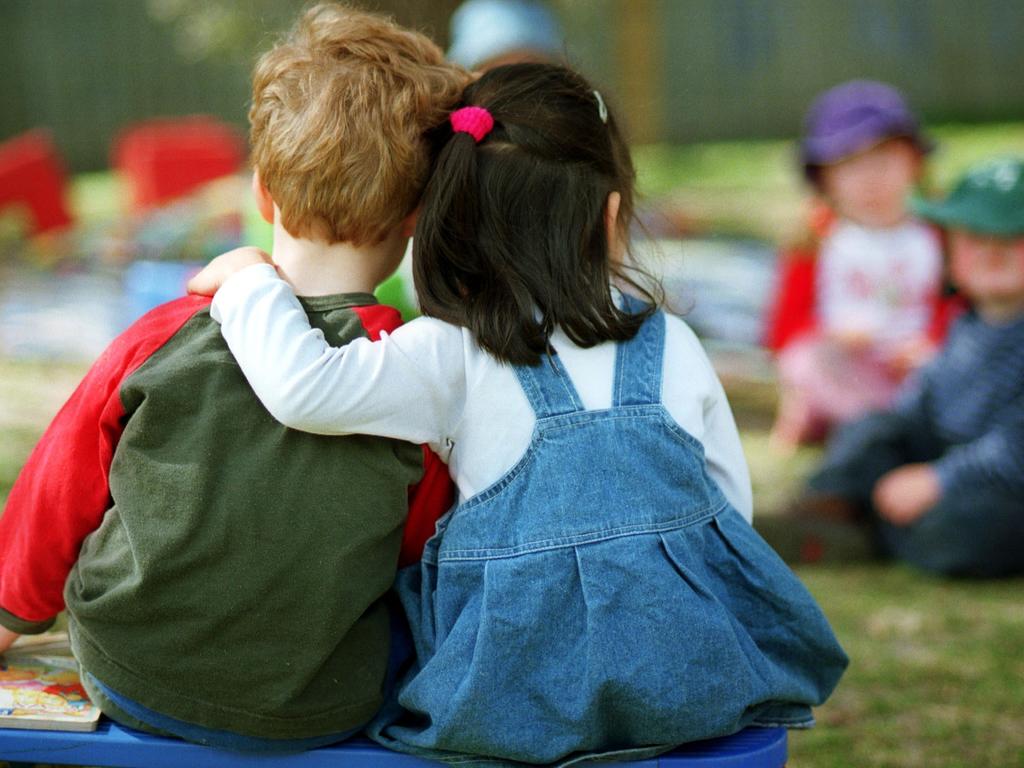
(429, 382)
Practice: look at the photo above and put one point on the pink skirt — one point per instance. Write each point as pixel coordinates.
(834, 383)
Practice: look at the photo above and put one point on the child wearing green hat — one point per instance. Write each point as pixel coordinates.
(939, 477)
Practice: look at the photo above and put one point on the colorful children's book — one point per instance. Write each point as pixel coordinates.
(40, 687)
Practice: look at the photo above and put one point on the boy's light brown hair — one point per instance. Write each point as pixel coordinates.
(339, 109)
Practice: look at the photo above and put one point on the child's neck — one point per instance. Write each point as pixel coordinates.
(879, 224)
(318, 268)
(1000, 312)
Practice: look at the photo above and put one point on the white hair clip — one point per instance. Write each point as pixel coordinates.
(602, 110)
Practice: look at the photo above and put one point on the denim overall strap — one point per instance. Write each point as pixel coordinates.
(638, 362)
(548, 387)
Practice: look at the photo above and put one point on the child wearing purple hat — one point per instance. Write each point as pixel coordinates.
(860, 306)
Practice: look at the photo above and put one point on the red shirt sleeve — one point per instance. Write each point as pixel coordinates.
(793, 310)
(62, 492)
(945, 309)
(947, 305)
(432, 496)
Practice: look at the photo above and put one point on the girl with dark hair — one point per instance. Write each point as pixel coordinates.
(597, 590)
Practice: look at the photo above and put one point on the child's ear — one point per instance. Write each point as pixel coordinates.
(611, 212)
(611, 226)
(408, 224)
(264, 202)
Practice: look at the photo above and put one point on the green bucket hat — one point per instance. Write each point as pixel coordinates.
(989, 200)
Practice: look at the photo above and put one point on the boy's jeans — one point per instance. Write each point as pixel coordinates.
(974, 531)
(134, 715)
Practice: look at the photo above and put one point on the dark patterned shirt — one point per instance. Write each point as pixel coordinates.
(972, 397)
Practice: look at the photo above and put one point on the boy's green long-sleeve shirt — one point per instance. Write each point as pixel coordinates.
(216, 566)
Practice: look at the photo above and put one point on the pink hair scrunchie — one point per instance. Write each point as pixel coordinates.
(476, 121)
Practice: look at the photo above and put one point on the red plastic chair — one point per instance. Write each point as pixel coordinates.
(166, 158)
(32, 176)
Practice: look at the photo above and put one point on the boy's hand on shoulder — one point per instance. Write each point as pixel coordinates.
(209, 280)
(7, 637)
(906, 493)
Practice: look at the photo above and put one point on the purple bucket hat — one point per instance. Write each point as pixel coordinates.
(853, 117)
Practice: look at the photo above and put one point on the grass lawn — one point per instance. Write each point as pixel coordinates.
(937, 672)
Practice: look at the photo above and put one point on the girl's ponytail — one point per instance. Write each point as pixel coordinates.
(447, 226)
(510, 241)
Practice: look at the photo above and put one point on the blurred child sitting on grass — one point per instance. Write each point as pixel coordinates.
(859, 308)
(223, 575)
(940, 475)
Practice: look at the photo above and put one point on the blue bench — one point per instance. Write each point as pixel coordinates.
(117, 747)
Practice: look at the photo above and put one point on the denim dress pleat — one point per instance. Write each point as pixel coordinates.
(603, 599)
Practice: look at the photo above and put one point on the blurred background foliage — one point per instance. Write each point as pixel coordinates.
(210, 29)
(680, 70)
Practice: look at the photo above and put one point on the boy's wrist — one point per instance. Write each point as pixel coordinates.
(945, 472)
(7, 638)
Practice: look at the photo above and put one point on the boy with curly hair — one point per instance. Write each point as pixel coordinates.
(223, 575)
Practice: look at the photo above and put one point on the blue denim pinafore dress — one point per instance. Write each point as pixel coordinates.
(602, 598)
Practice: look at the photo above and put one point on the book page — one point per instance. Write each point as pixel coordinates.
(40, 687)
